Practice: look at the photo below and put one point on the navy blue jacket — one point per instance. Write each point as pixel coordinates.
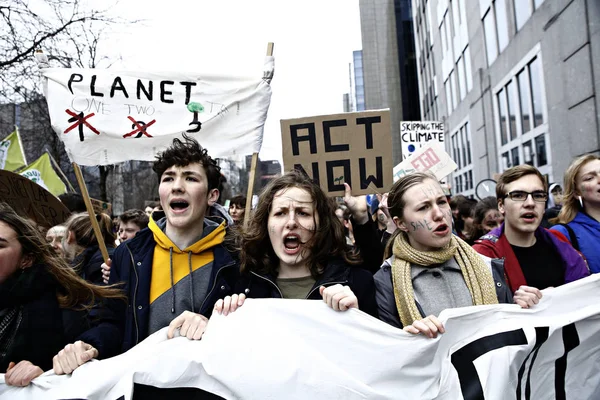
(132, 267)
(360, 281)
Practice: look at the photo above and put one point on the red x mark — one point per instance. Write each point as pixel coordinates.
(80, 121)
(139, 128)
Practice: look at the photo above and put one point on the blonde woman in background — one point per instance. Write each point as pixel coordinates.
(579, 217)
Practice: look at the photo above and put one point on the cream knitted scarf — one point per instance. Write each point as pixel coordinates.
(476, 273)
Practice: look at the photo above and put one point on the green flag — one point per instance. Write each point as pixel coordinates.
(11, 152)
(41, 172)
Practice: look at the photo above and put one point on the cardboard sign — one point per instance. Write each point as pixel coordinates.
(101, 207)
(29, 199)
(355, 148)
(430, 157)
(415, 134)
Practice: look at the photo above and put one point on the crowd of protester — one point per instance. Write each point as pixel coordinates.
(403, 258)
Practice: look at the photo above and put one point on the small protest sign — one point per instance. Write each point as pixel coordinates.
(30, 199)
(415, 134)
(430, 157)
(355, 148)
(101, 206)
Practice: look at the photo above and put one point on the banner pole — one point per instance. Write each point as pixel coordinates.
(21, 145)
(252, 176)
(91, 212)
(60, 171)
(250, 189)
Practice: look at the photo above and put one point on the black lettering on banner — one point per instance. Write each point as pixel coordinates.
(119, 87)
(366, 180)
(93, 88)
(141, 88)
(311, 137)
(164, 92)
(315, 171)
(368, 123)
(541, 335)
(470, 384)
(327, 125)
(331, 185)
(571, 341)
(188, 90)
(72, 79)
(463, 358)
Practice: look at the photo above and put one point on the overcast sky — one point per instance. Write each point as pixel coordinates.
(314, 40)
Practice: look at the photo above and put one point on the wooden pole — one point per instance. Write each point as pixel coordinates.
(252, 176)
(250, 189)
(60, 171)
(91, 212)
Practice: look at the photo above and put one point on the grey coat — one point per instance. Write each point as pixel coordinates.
(386, 302)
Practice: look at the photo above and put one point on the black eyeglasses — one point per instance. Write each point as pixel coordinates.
(539, 196)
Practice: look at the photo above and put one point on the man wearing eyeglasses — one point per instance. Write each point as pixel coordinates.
(534, 257)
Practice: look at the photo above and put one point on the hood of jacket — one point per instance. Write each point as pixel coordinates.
(212, 235)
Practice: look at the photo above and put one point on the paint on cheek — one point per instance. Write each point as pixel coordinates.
(272, 229)
(584, 188)
(424, 224)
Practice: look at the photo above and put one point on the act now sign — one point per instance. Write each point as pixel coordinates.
(355, 148)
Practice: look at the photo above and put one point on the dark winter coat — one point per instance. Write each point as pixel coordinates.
(360, 281)
(32, 325)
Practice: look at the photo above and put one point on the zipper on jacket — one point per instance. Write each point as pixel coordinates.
(137, 280)
(326, 285)
(270, 281)
(214, 284)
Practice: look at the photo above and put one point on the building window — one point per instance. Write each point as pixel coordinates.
(502, 111)
(524, 100)
(501, 24)
(462, 85)
(536, 91)
(448, 96)
(540, 149)
(505, 161)
(527, 153)
(454, 89)
(461, 151)
(514, 153)
(524, 9)
(444, 37)
(512, 118)
(521, 122)
(468, 136)
(467, 59)
(495, 28)
(491, 42)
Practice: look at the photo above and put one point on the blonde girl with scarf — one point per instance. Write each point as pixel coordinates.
(427, 268)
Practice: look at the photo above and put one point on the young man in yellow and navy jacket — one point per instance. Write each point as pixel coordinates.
(176, 269)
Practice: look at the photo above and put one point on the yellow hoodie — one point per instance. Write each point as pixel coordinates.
(171, 264)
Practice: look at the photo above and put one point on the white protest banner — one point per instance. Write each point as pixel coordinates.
(301, 349)
(430, 157)
(355, 148)
(415, 134)
(106, 116)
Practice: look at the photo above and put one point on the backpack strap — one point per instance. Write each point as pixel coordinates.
(572, 236)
